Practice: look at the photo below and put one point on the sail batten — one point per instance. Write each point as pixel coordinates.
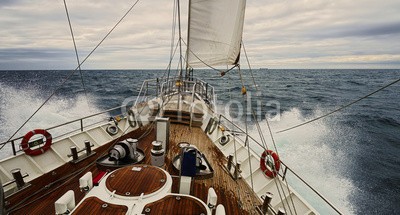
(215, 32)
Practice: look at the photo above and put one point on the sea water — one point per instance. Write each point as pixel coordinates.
(352, 157)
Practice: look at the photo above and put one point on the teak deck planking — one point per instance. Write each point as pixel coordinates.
(177, 205)
(127, 182)
(236, 196)
(93, 205)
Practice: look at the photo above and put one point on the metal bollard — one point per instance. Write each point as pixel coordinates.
(74, 153)
(267, 201)
(88, 147)
(19, 180)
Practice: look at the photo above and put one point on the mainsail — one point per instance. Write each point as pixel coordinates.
(214, 32)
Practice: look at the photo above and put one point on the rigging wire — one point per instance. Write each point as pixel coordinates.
(235, 149)
(247, 140)
(251, 71)
(340, 108)
(168, 69)
(230, 90)
(246, 144)
(277, 182)
(276, 151)
(172, 51)
(247, 135)
(265, 147)
(76, 51)
(73, 72)
(112, 29)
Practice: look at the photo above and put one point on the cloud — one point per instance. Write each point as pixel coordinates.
(307, 33)
(7, 3)
(377, 31)
(277, 34)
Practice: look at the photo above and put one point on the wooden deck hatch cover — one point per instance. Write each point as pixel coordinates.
(134, 180)
(177, 205)
(93, 205)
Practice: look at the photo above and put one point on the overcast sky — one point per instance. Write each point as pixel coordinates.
(277, 34)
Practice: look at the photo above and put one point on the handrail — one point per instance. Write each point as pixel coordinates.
(287, 168)
(63, 124)
(165, 88)
(144, 88)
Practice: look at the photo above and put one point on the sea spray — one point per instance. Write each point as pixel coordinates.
(17, 105)
(309, 152)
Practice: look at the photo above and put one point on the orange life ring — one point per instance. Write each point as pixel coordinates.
(277, 163)
(40, 150)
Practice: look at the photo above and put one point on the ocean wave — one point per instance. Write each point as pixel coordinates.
(19, 104)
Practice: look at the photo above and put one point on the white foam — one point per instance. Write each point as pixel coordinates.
(317, 152)
(17, 105)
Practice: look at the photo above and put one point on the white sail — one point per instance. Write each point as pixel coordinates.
(215, 32)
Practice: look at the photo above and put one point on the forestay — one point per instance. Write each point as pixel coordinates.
(215, 32)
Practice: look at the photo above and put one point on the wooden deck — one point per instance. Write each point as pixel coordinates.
(177, 205)
(39, 198)
(236, 196)
(93, 205)
(126, 182)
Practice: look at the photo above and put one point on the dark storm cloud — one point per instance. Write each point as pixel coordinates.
(384, 29)
(357, 30)
(33, 53)
(5, 3)
(35, 58)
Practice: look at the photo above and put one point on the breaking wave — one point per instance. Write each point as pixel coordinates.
(316, 152)
(17, 105)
